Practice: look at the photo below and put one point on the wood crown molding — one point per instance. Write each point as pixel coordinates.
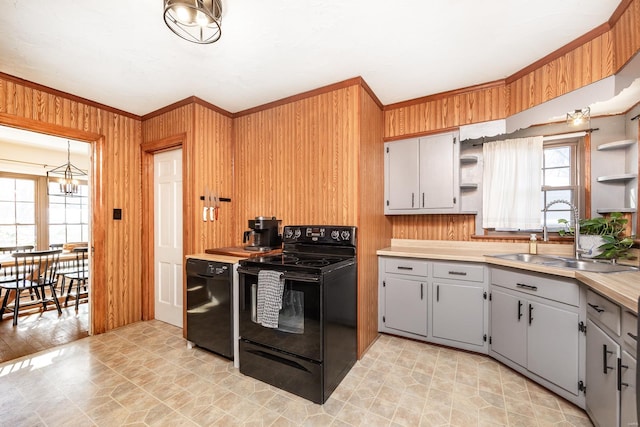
(187, 101)
(67, 95)
(308, 94)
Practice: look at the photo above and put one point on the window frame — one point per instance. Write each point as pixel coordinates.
(41, 201)
(577, 174)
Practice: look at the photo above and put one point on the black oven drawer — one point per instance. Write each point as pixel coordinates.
(287, 372)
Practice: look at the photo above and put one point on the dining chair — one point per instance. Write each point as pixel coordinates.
(78, 277)
(7, 265)
(35, 271)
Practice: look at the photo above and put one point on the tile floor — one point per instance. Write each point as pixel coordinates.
(144, 375)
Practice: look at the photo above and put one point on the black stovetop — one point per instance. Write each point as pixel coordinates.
(313, 249)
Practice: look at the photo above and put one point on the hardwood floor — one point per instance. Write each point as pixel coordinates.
(38, 330)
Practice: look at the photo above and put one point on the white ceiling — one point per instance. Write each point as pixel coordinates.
(120, 52)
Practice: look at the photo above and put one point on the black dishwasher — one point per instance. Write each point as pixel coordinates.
(209, 305)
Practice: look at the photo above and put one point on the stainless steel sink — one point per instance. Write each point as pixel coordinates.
(596, 266)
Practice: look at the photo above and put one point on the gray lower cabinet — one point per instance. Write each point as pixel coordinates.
(405, 305)
(602, 392)
(459, 305)
(440, 302)
(403, 296)
(508, 326)
(628, 414)
(535, 328)
(611, 363)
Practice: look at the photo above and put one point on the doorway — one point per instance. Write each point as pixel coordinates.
(43, 218)
(168, 253)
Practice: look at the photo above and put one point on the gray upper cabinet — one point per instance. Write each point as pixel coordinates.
(422, 175)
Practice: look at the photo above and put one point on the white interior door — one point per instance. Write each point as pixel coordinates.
(168, 256)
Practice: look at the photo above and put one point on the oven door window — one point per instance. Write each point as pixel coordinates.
(291, 315)
(298, 330)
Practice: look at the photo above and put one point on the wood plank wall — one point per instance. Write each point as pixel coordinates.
(595, 57)
(208, 145)
(374, 229)
(298, 161)
(116, 290)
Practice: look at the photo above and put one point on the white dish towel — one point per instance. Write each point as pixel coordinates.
(270, 290)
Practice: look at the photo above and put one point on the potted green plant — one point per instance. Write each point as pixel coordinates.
(602, 237)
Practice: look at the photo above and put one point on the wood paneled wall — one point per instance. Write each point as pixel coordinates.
(208, 150)
(298, 161)
(116, 292)
(465, 106)
(374, 229)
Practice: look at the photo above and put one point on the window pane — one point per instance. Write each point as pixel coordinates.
(85, 233)
(84, 215)
(56, 199)
(74, 233)
(7, 235)
(559, 195)
(557, 177)
(554, 216)
(73, 214)
(26, 235)
(56, 215)
(7, 189)
(25, 213)
(7, 213)
(25, 190)
(557, 156)
(57, 234)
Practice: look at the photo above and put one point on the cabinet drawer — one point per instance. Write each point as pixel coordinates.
(559, 289)
(604, 311)
(411, 267)
(630, 330)
(470, 273)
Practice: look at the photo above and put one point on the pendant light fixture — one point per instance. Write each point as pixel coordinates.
(197, 21)
(578, 117)
(65, 178)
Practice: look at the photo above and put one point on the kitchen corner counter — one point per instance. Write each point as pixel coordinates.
(622, 287)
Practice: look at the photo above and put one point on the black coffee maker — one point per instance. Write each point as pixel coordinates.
(263, 235)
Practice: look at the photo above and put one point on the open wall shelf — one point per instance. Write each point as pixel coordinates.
(616, 145)
(623, 177)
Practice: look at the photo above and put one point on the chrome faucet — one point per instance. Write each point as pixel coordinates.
(576, 219)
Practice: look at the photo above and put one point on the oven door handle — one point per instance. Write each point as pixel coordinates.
(286, 275)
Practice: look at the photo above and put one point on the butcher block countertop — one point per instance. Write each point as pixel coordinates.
(231, 254)
(623, 287)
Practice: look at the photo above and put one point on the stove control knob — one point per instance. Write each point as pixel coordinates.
(345, 235)
(288, 233)
(297, 233)
(335, 235)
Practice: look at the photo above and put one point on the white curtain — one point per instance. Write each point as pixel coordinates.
(511, 196)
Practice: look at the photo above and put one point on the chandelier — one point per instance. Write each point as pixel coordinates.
(197, 21)
(66, 178)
